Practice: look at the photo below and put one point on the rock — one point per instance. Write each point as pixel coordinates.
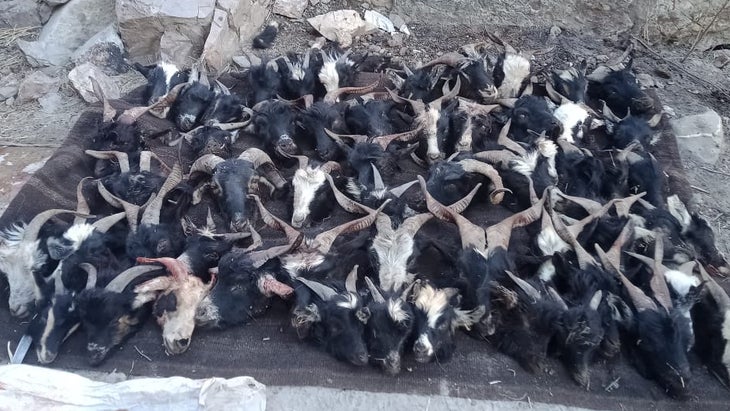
(242, 21)
(242, 61)
(700, 136)
(645, 80)
(365, 6)
(314, 2)
(68, 28)
(9, 86)
(379, 21)
(105, 50)
(294, 9)
(9, 102)
(168, 29)
(36, 85)
(50, 102)
(81, 81)
(54, 3)
(554, 32)
(341, 26)
(722, 58)
(384, 4)
(397, 20)
(396, 40)
(23, 13)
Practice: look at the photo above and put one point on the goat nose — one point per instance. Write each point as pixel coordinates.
(434, 156)
(183, 342)
(19, 311)
(360, 359)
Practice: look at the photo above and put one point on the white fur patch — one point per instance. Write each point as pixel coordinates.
(396, 311)
(548, 149)
(433, 302)
(306, 182)
(301, 261)
(350, 303)
(78, 233)
(18, 260)
(424, 342)
(170, 70)
(329, 77)
(393, 249)
(179, 324)
(516, 69)
(681, 282)
(549, 242)
(526, 164)
(546, 271)
(465, 141)
(726, 337)
(429, 121)
(570, 115)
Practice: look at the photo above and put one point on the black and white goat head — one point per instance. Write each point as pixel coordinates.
(338, 70)
(233, 179)
(161, 78)
(512, 71)
(264, 82)
(313, 122)
(427, 117)
(530, 116)
(437, 317)
(448, 181)
(135, 182)
(312, 200)
(332, 314)
(473, 66)
(298, 74)
(274, 124)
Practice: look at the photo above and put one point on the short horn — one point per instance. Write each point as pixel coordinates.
(377, 296)
(121, 281)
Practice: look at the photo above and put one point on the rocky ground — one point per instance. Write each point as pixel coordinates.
(39, 109)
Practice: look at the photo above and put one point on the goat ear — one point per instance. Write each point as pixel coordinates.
(677, 209)
(363, 315)
(156, 284)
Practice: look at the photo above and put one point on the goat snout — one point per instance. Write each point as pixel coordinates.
(178, 346)
(186, 122)
(390, 364)
(286, 144)
(19, 310)
(359, 359)
(423, 349)
(97, 353)
(642, 104)
(45, 356)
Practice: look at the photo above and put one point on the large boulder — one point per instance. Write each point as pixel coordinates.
(105, 50)
(23, 13)
(81, 80)
(700, 136)
(70, 26)
(36, 85)
(173, 30)
(235, 23)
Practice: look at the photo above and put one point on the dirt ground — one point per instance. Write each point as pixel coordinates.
(25, 126)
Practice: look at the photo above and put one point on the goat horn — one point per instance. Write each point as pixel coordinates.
(130, 210)
(623, 205)
(507, 142)
(303, 160)
(718, 293)
(131, 115)
(608, 113)
(292, 235)
(614, 253)
(452, 59)
(418, 106)
(448, 94)
(334, 95)
(121, 281)
(657, 283)
(474, 166)
(384, 141)
(324, 240)
(174, 265)
(122, 158)
(407, 70)
(145, 161)
(558, 299)
(151, 214)
(206, 164)
(406, 291)
(474, 108)
(640, 300)
(260, 258)
(526, 287)
(324, 292)
(398, 191)
(554, 95)
(377, 178)
(497, 157)
(109, 112)
(377, 296)
(590, 206)
(584, 258)
(104, 224)
(260, 159)
(507, 47)
(234, 125)
(30, 234)
(472, 236)
(82, 206)
(498, 235)
(412, 224)
(355, 137)
(349, 205)
(351, 280)
(330, 166)
(91, 275)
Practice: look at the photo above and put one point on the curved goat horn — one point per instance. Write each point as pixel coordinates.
(384, 141)
(82, 206)
(122, 280)
(474, 166)
(109, 112)
(448, 94)
(348, 204)
(206, 164)
(452, 59)
(500, 158)
(292, 235)
(507, 142)
(640, 300)
(357, 138)
(104, 224)
(324, 240)
(584, 258)
(377, 296)
(351, 280)
(131, 115)
(526, 287)
(91, 275)
(260, 257)
(175, 266)
(151, 214)
(121, 157)
(718, 293)
(419, 107)
(30, 234)
(130, 210)
(260, 159)
(145, 161)
(334, 95)
(377, 178)
(498, 235)
(398, 191)
(303, 160)
(324, 292)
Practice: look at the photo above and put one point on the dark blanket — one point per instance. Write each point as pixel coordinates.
(269, 350)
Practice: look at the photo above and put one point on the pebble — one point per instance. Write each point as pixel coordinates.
(9, 102)
(403, 50)
(555, 32)
(662, 71)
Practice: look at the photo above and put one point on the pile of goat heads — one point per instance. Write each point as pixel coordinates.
(611, 266)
